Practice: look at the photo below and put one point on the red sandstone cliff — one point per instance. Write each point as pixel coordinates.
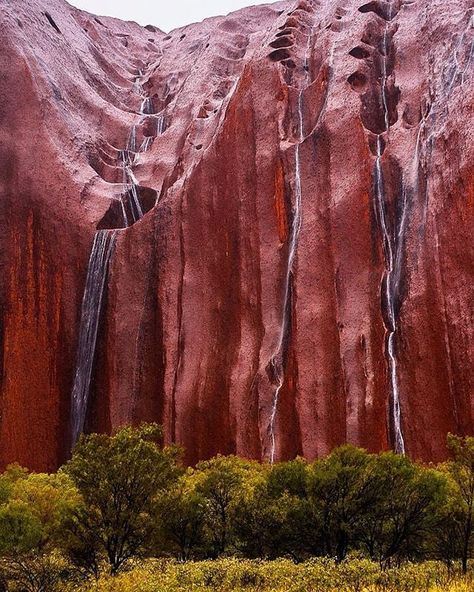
(302, 275)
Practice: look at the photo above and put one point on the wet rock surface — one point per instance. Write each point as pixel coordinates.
(290, 190)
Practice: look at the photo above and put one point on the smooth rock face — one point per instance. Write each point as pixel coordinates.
(303, 274)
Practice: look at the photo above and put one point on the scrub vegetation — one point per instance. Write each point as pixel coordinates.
(125, 515)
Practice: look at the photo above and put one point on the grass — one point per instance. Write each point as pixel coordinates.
(321, 575)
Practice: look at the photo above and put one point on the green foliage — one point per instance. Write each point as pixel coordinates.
(20, 529)
(275, 519)
(31, 518)
(180, 516)
(461, 510)
(341, 490)
(52, 499)
(222, 482)
(119, 478)
(352, 521)
(12, 475)
(384, 505)
(405, 500)
(289, 477)
(257, 522)
(32, 514)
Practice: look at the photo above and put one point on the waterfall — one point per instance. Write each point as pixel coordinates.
(130, 155)
(145, 145)
(124, 211)
(160, 124)
(458, 69)
(136, 206)
(129, 158)
(384, 79)
(137, 83)
(392, 247)
(392, 277)
(146, 107)
(132, 144)
(277, 361)
(97, 272)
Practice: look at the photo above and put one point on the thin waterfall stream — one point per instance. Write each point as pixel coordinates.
(391, 281)
(454, 73)
(392, 247)
(277, 361)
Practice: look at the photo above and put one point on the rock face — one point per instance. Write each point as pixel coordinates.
(302, 272)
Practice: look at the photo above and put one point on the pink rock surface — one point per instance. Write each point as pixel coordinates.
(289, 288)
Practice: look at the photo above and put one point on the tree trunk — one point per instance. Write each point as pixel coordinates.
(341, 546)
(467, 539)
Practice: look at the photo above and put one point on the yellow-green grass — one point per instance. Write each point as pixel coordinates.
(232, 575)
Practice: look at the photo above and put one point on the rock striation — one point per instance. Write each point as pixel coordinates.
(256, 230)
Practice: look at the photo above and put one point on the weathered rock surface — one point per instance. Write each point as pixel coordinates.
(303, 273)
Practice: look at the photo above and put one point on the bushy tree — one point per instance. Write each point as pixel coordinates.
(460, 518)
(13, 473)
(33, 513)
(52, 499)
(276, 519)
(406, 500)
(35, 573)
(20, 529)
(256, 520)
(341, 490)
(289, 477)
(31, 516)
(221, 482)
(180, 519)
(446, 539)
(119, 478)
